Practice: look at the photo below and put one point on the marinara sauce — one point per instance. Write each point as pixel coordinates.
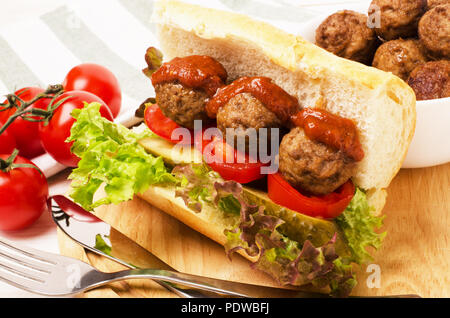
(320, 125)
(271, 95)
(194, 71)
(332, 130)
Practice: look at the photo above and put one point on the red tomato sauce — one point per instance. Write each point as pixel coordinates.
(271, 95)
(195, 71)
(332, 130)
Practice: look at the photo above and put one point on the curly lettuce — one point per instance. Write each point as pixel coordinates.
(360, 227)
(287, 261)
(110, 158)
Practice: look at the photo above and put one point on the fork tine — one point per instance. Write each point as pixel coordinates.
(26, 251)
(25, 257)
(23, 263)
(20, 282)
(25, 274)
(28, 264)
(41, 272)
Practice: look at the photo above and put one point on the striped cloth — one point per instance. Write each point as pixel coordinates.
(41, 49)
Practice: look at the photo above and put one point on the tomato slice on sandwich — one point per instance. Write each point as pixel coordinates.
(326, 206)
(164, 126)
(227, 161)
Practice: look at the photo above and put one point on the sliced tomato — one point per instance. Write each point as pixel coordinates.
(225, 160)
(165, 127)
(326, 206)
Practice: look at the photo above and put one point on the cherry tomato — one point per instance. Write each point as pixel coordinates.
(218, 154)
(23, 195)
(326, 206)
(164, 126)
(98, 80)
(7, 143)
(54, 135)
(26, 132)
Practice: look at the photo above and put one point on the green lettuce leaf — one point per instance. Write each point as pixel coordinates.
(110, 158)
(101, 245)
(229, 204)
(360, 227)
(195, 187)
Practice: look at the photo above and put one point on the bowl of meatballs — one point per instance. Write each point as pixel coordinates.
(410, 39)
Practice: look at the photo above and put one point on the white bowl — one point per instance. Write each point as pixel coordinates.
(431, 142)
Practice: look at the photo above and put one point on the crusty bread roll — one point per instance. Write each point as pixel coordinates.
(381, 104)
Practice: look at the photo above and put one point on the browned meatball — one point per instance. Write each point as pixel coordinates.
(434, 3)
(345, 33)
(181, 104)
(434, 31)
(311, 165)
(399, 57)
(243, 112)
(431, 80)
(398, 18)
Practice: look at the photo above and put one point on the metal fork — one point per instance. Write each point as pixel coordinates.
(56, 275)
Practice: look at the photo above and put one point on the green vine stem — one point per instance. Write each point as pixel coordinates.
(32, 114)
(6, 165)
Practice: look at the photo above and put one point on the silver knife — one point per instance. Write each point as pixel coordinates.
(87, 230)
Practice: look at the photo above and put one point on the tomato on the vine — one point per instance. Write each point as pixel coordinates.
(25, 132)
(54, 135)
(23, 194)
(98, 80)
(7, 143)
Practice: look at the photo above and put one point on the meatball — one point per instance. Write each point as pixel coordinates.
(434, 31)
(399, 57)
(345, 33)
(243, 112)
(434, 3)
(311, 165)
(398, 18)
(181, 104)
(431, 80)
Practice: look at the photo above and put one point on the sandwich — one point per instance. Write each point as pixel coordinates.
(262, 141)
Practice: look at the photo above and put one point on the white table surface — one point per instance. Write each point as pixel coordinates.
(42, 234)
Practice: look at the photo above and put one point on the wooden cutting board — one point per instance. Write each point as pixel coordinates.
(414, 259)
